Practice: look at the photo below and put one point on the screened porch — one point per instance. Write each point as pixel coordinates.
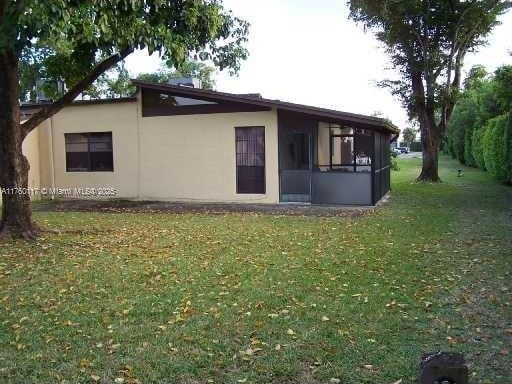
(332, 162)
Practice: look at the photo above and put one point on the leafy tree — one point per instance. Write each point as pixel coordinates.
(84, 39)
(409, 135)
(191, 68)
(31, 69)
(118, 86)
(117, 82)
(503, 88)
(475, 77)
(427, 41)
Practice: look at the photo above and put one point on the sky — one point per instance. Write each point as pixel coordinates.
(309, 52)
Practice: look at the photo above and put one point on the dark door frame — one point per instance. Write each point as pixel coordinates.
(287, 126)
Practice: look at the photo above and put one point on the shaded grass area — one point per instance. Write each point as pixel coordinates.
(233, 298)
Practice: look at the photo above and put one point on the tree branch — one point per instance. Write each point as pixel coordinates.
(459, 59)
(457, 51)
(50, 110)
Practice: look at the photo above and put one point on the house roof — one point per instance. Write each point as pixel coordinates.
(83, 102)
(254, 99)
(257, 100)
(28, 109)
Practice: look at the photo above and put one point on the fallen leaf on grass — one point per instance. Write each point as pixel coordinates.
(250, 351)
(84, 363)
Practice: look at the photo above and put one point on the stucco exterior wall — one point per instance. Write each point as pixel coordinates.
(121, 120)
(323, 144)
(30, 149)
(192, 157)
(46, 174)
(187, 158)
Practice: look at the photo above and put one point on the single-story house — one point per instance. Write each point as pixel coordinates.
(179, 143)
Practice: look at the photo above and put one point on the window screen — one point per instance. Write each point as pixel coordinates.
(250, 159)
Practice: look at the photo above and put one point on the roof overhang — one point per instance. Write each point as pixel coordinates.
(316, 112)
(28, 106)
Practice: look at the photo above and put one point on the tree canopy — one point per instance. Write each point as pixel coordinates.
(68, 39)
(199, 70)
(409, 135)
(76, 42)
(427, 41)
(115, 82)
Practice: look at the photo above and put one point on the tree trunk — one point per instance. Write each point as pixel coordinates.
(430, 151)
(429, 169)
(16, 211)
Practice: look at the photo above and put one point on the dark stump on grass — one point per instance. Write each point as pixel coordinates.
(443, 368)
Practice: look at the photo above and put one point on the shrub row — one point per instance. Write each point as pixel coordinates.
(492, 147)
(480, 130)
(415, 146)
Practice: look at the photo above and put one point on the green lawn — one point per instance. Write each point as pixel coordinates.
(246, 298)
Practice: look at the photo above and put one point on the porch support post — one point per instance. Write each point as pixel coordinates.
(373, 167)
(354, 154)
(330, 148)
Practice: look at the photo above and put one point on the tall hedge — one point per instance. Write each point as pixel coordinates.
(460, 129)
(508, 149)
(480, 130)
(415, 146)
(469, 160)
(456, 130)
(477, 149)
(494, 147)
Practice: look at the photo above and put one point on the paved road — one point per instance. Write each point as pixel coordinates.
(410, 155)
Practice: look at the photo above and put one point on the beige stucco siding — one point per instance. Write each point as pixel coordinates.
(46, 173)
(30, 149)
(174, 158)
(192, 157)
(323, 144)
(121, 120)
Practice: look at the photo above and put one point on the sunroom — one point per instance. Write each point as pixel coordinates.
(332, 162)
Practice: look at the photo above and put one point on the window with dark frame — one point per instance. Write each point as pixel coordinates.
(89, 152)
(350, 150)
(250, 159)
